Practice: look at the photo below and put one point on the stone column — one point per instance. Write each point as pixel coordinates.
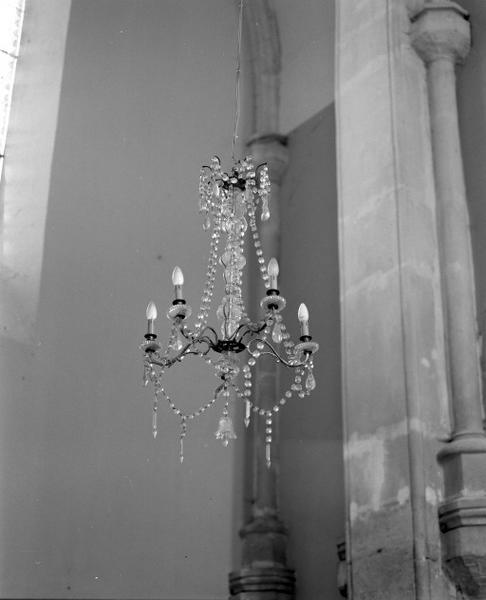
(264, 574)
(395, 403)
(441, 36)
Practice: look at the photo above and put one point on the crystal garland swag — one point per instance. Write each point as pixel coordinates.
(228, 203)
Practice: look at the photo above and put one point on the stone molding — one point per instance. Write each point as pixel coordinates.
(265, 583)
(264, 574)
(462, 512)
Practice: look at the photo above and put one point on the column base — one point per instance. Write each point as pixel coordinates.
(264, 574)
(462, 516)
(271, 582)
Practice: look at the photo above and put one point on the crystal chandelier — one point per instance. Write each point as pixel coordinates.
(229, 203)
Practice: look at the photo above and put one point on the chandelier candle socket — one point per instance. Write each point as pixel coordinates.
(229, 204)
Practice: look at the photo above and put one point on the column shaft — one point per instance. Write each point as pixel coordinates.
(441, 36)
(455, 245)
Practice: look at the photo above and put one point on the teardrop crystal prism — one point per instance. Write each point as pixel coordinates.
(310, 382)
(206, 223)
(247, 413)
(265, 209)
(154, 422)
(277, 335)
(178, 343)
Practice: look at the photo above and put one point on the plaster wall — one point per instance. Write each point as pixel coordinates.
(91, 506)
(307, 39)
(103, 166)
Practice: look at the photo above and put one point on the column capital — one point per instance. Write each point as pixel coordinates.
(441, 30)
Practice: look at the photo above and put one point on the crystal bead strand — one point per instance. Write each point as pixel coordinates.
(177, 411)
(288, 344)
(264, 193)
(268, 439)
(258, 246)
(207, 295)
(182, 435)
(154, 416)
(247, 393)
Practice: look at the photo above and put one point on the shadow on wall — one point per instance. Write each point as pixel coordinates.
(311, 478)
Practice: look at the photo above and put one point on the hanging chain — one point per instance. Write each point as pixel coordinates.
(237, 81)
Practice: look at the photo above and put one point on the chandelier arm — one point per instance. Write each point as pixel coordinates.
(200, 338)
(252, 328)
(208, 342)
(177, 358)
(213, 331)
(275, 354)
(165, 364)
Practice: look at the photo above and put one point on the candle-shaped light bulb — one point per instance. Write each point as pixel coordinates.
(151, 314)
(273, 273)
(151, 311)
(303, 316)
(178, 281)
(177, 276)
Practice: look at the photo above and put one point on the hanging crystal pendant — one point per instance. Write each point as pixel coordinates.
(268, 455)
(177, 343)
(207, 223)
(310, 382)
(182, 435)
(225, 431)
(154, 419)
(277, 335)
(265, 209)
(268, 441)
(247, 413)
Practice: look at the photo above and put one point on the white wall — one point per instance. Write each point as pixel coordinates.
(307, 39)
(106, 167)
(91, 505)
